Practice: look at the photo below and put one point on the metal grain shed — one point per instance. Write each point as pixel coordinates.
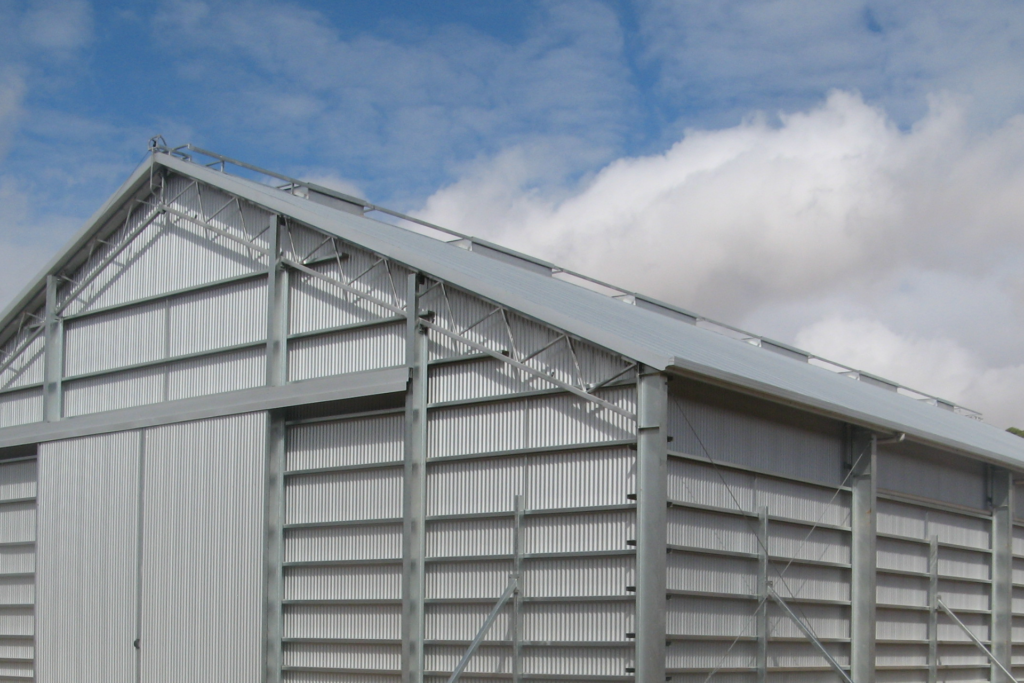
(249, 433)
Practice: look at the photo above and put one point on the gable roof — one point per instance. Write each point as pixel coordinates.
(660, 341)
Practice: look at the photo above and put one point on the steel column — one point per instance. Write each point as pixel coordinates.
(863, 457)
(53, 362)
(762, 596)
(1002, 572)
(517, 571)
(277, 309)
(414, 493)
(273, 546)
(933, 609)
(652, 526)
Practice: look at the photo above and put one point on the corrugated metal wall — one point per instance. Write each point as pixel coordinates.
(17, 568)
(88, 558)
(573, 463)
(730, 460)
(199, 256)
(202, 553)
(171, 347)
(333, 331)
(1018, 582)
(21, 382)
(190, 498)
(343, 548)
(916, 492)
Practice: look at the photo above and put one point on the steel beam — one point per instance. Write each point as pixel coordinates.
(762, 596)
(53, 362)
(277, 309)
(273, 547)
(652, 523)
(863, 456)
(996, 664)
(1002, 573)
(517, 571)
(809, 634)
(355, 385)
(933, 609)
(414, 493)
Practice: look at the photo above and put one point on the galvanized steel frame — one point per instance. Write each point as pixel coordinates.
(53, 353)
(652, 525)
(996, 664)
(863, 457)
(414, 491)
(277, 310)
(1002, 574)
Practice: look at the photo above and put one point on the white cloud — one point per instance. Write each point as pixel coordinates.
(938, 366)
(833, 207)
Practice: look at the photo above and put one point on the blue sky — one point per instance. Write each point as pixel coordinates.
(842, 175)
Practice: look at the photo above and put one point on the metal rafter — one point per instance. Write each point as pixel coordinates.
(534, 371)
(515, 358)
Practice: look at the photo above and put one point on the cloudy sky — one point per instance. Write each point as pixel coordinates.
(844, 176)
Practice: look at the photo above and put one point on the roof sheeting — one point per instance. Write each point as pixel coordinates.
(654, 339)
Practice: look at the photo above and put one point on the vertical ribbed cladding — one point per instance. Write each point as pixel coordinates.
(87, 563)
(355, 350)
(343, 547)
(243, 369)
(21, 407)
(340, 443)
(605, 662)
(344, 496)
(931, 475)
(140, 332)
(17, 568)
(202, 582)
(198, 256)
(343, 543)
(229, 371)
(697, 482)
(202, 321)
(309, 676)
(318, 305)
(964, 568)
(713, 565)
(570, 462)
(600, 476)
(1018, 590)
(541, 422)
(708, 422)
(27, 368)
(583, 622)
